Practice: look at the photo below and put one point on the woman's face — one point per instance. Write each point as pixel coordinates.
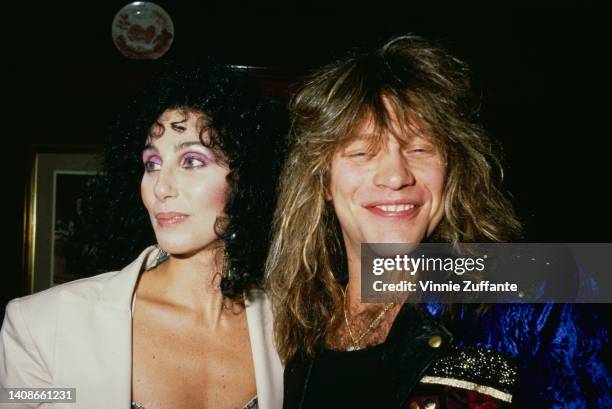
(184, 186)
(392, 195)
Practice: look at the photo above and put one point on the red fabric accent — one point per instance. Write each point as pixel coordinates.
(477, 400)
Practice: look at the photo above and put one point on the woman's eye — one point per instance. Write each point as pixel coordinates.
(193, 162)
(151, 166)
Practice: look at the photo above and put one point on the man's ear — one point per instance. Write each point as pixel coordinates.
(328, 196)
(326, 183)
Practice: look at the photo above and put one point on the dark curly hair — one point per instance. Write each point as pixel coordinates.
(247, 128)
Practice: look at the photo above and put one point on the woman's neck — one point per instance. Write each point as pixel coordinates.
(190, 282)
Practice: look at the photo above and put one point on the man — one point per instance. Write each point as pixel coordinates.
(386, 150)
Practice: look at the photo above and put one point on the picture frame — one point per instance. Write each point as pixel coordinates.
(57, 178)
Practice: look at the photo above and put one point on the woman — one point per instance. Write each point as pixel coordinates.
(387, 149)
(184, 325)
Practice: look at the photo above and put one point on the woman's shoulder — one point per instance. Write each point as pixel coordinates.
(39, 312)
(42, 306)
(43, 302)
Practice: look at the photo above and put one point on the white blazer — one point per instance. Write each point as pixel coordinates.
(79, 335)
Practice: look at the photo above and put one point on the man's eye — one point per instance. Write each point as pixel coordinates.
(359, 154)
(420, 150)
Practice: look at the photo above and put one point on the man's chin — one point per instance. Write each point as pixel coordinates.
(397, 239)
(389, 249)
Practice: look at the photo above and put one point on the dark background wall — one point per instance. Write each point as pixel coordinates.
(540, 71)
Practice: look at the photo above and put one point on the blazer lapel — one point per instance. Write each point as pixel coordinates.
(94, 341)
(268, 367)
(415, 345)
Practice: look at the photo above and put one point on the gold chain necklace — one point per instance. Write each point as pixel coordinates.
(370, 327)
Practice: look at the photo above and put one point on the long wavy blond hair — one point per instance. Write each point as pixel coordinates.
(409, 76)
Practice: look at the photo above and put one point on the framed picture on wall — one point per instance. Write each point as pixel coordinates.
(59, 176)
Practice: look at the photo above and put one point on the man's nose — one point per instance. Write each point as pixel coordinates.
(393, 170)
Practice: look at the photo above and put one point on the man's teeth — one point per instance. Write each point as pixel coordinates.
(395, 208)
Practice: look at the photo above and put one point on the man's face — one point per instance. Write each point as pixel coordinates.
(392, 195)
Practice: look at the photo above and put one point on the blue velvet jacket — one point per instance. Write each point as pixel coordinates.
(521, 355)
(559, 350)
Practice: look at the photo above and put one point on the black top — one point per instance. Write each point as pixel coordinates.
(381, 376)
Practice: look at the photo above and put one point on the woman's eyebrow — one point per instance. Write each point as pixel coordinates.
(149, 147)
(184, 145)
(177, 147)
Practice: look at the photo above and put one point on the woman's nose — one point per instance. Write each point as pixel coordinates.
(165, 185)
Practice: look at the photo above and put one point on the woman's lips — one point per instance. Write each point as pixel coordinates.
(404, 210)
(170, 219)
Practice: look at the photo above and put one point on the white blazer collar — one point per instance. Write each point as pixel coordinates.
(268, 367)
(99, 333)
(119, 289)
